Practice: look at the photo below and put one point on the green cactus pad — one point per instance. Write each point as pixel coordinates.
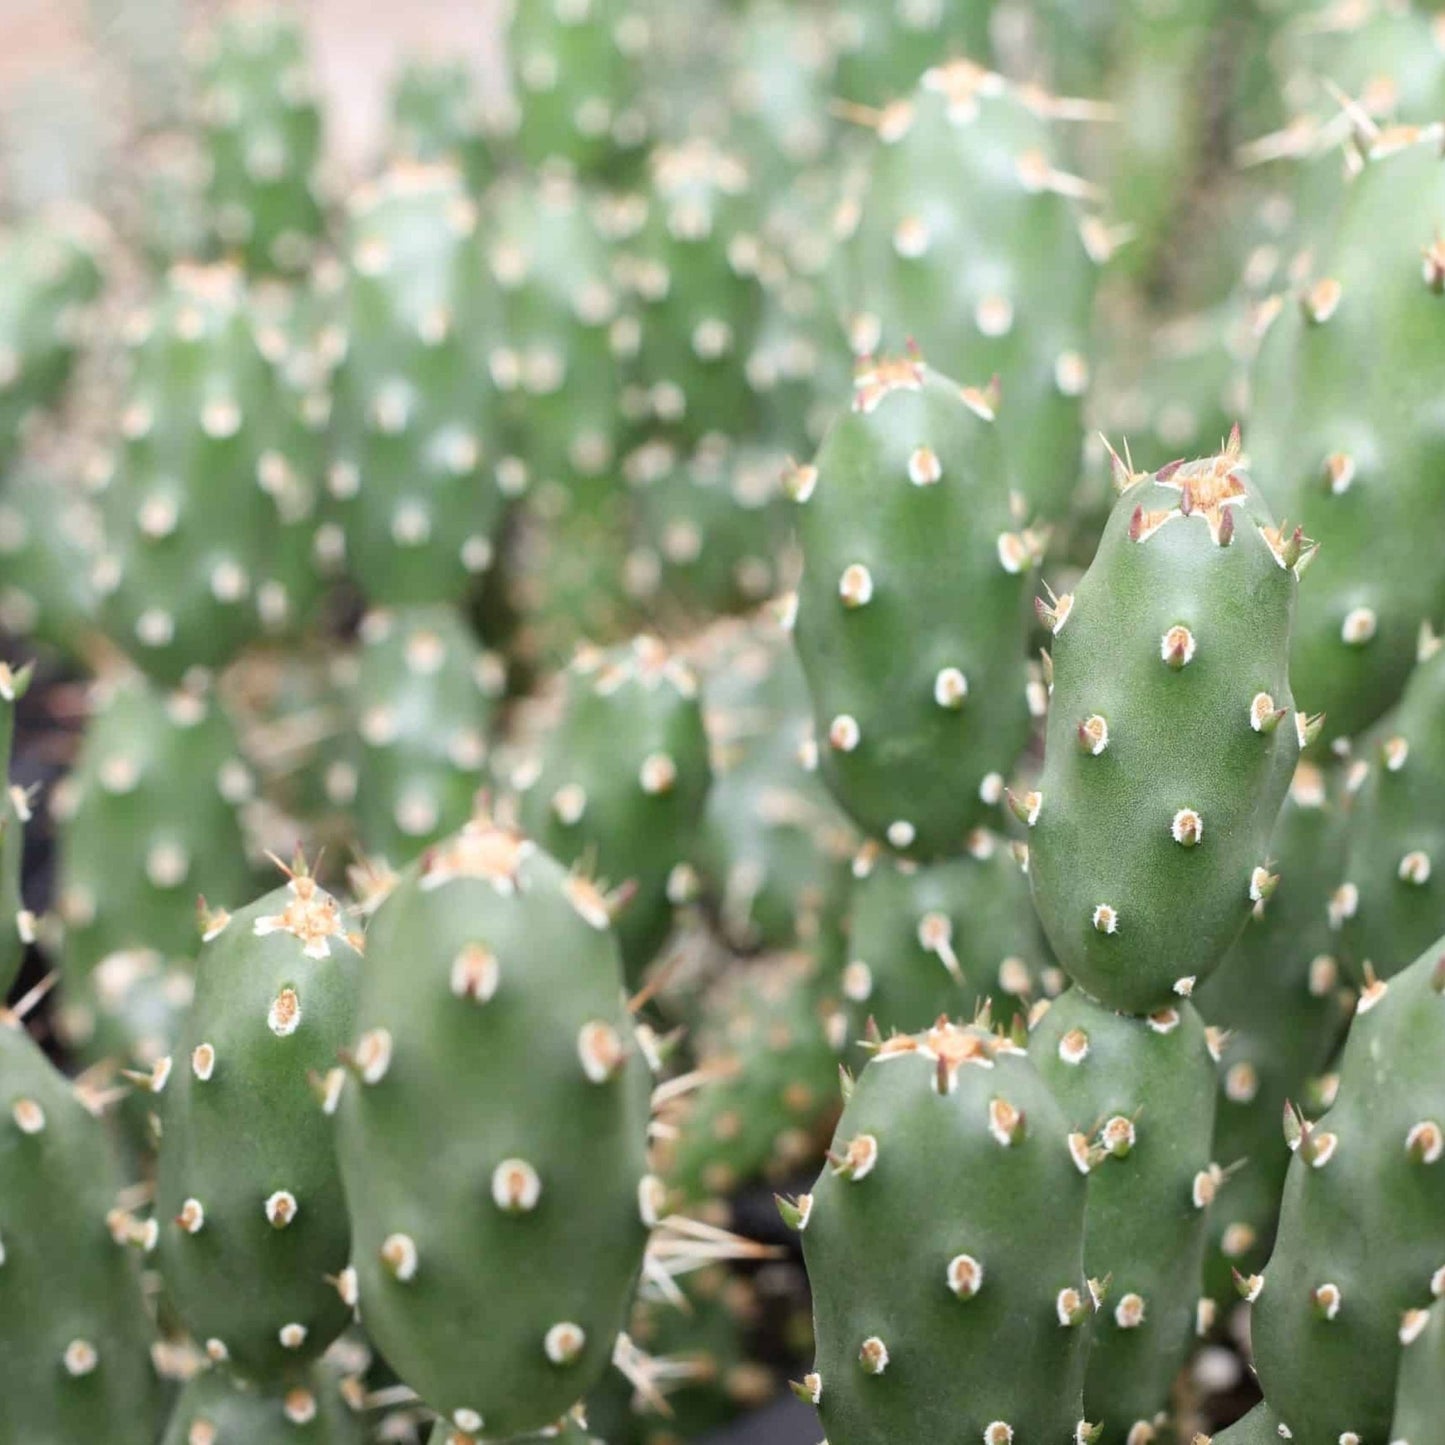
(75, 1361)
(263, 140)
(218, 1408)
(1171, 736)
(418, 504)
(623, 781)
(1139, 1095)
(493, 1146)
(249, 1190)
(1362, 1225)
(421, 705)
(944, 1246)
(908, 532)
(1000, 287)
(1279, 1008)
(1341, 440)
(940, 939)
(1390, 903)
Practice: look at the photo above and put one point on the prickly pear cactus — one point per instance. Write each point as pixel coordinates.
(216, 1408)
(773, 848)
(1362, 1225)
(421, 704)
(412, 484)
(49, 273)
(1390, 903)
(577, 70)
(1278, 1006)
(1339, 435)
(1422, 1379)
(438, 115)
(492, 1033)
(80, 1369)
(908, 531)
(770, 1099)
(622, 783)
(17, 924)
(148, 820)
(1001, 287)
(1139, 1095)
(263, 140)
(939, 1310)
(191, 502)
(249, 1190)
(940, 939)
(1172, 735)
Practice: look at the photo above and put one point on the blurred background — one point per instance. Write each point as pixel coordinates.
(81, 79)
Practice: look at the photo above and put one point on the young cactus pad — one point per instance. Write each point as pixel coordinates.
(911, 618)
(1171, 736)
(493, 1140)
(249, 1188)
(944, 1243)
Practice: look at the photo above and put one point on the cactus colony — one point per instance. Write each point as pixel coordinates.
(658, 728)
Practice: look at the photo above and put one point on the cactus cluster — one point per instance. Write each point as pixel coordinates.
(835, 608)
